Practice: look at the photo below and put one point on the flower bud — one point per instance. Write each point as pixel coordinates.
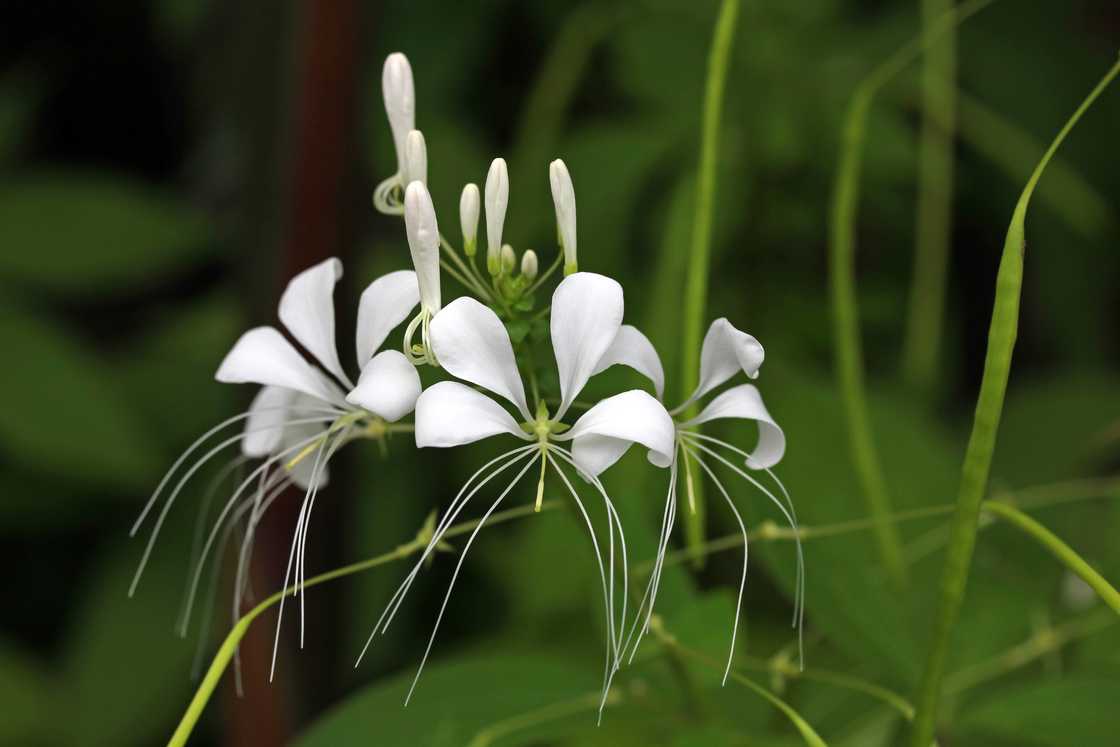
(423, 242)
(497, 199)
(529, 265)
(415, 159)
(564, 199)
(509, 259)
(400, 102)
(468, 218)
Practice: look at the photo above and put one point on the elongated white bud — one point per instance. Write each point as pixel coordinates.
(497, 200)
(400, 102)
(529, 265)
(509, 259)
(564, 199)
(469, 204)
(415, 159)
(423, 242)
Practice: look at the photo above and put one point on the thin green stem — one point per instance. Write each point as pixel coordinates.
(845, 310)
(1059, 549)
(237, 633)
(921, 349)
(981, 444)
(550, 712)
(783, 667)
(699, 258)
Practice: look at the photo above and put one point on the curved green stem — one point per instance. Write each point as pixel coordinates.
(1059, 549)
(981, 444)
(921, 348)
(237, 633)
(696, 282)
(845, 311)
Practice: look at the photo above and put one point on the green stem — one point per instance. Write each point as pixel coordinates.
(237, 633)
(699, 258)
(981, 444)
(845, 311)
(1059, 549)
(921, 349)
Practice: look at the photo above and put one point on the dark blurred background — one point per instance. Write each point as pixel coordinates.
(165, 166)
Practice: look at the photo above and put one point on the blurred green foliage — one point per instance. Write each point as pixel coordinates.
(133, 250)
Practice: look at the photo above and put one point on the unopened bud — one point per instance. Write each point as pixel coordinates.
(415, 159)
(564, 199)
(400, 102)
(469, 204)
(509, 259)
(497, 199)
(423, 243)
(529, 265)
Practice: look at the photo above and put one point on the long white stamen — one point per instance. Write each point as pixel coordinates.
(183, 481)
(789, 517)
(668, 515)
(459, 566)
(743, 579)
(449, 516)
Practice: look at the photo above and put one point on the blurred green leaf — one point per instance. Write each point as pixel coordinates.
(1069, 712)
(85, 233)
(26, 691)
(453, 701)
(65, 413)
(126, 675)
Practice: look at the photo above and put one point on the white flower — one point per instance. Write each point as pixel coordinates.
(302, 413)
(415, 159)
(400, 106)
(564, 200)
(472, 344)
(497, 200)
(725, 352)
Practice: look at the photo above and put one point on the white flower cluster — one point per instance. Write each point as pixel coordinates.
(305, 412)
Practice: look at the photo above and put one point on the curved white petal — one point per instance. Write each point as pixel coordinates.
(265, 425)
(586, 315)
(263, 356)
(605, 431)
(725, 352)
(388, 386)
(451, 414)
(307, 310)
(423, 242)
(632, 348)
(745, 402)
(385, 303)
(472, 344)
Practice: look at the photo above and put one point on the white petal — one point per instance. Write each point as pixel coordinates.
(586, 316)
(472, 344)
(385, 303)
(265, 425)
(388, 386)
(564, 200)
(451, 414)
(605, 431)
(263, 356)
(400, 101)
(632, 348)
(307, 310)
(745, 402)
(423, 242)
(726, 351)
(497, 200)
(303, 470)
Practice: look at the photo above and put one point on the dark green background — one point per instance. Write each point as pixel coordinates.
(165, 166)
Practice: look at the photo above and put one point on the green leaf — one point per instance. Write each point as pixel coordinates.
(126, 675)
(66, 414)
(26, 692)
(70, 233)
(454, 700)
(1068, 712)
